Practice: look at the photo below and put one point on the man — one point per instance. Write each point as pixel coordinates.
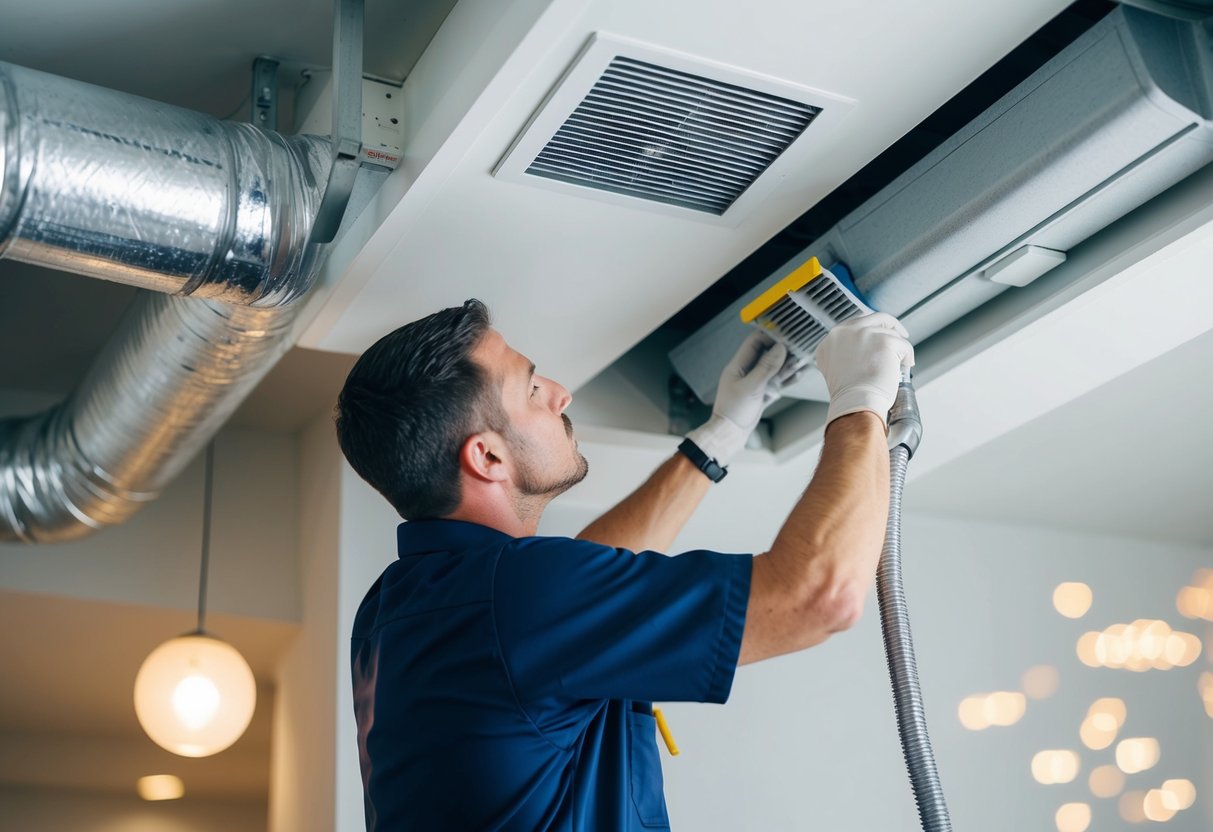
(504, 681)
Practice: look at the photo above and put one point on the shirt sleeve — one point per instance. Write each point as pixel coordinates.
(582, 620)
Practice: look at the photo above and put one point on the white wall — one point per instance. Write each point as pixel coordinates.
(368, 546)
(302, 761)
(809, 741)
(54, 810)
(347, 537)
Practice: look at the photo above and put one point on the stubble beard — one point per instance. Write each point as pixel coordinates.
(530, 482)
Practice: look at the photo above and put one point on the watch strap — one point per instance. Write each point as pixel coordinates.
(710, 467)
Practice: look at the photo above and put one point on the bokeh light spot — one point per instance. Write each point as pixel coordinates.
(1055, 766)
(1073, 817)
(1155, 807)
(1040, 682)
(1106, 781)
(1072, 599)
(1131, 806)
(1137, 754)
(1179, 794)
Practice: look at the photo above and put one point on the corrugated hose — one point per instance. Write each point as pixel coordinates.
(905, 430)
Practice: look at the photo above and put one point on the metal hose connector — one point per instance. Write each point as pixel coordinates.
(905, 425)
(903, 669)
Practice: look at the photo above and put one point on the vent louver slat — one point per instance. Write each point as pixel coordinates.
(644, 135)
(669, 136)
(596, 161)
(736, 93)
(582, 149)
(713, 130)
(639, 182)
(709, 170)
(766, 120)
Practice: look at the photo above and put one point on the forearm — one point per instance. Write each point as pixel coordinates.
(652, 516)
(828, 549)
(833, 536)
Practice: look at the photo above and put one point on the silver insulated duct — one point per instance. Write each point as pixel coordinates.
(214, 217)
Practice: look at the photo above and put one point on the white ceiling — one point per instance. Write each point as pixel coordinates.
(198, 53)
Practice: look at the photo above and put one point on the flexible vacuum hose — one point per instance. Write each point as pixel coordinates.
(905, 430)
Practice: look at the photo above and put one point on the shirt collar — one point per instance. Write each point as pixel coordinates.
(420, 536)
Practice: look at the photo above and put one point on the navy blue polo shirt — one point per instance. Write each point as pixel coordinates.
(506, 683)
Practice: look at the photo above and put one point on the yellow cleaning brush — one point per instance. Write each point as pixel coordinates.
(799, 310)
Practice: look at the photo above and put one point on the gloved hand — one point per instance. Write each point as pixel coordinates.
(862, 360)
(751, 381)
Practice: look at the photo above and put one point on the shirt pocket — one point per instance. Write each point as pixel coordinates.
(648, 788)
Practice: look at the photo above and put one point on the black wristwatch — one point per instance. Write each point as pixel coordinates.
(710, 467)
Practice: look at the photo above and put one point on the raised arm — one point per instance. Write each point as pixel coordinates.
(813, 581)
(653, 515)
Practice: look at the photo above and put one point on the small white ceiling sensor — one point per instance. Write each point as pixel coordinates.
(1023, 265)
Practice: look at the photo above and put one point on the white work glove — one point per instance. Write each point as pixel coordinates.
(863, 360)
(750, 382)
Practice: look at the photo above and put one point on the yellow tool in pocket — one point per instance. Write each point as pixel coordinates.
(664, 728)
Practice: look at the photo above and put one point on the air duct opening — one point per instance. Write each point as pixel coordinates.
(656, 133)
(645, 127)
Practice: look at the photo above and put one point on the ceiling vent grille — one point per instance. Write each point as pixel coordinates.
(657, 133)
(633, 124)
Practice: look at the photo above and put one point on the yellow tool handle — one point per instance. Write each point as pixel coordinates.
(664, 728)
(805, 273)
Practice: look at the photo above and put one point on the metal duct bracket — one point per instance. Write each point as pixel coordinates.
(347, 118)
(264, 94)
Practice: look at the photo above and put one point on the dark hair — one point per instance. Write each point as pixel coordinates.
(410, 403)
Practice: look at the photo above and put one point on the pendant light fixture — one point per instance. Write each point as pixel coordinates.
(195, 694)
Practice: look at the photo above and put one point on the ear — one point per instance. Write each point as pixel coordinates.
(483, 457)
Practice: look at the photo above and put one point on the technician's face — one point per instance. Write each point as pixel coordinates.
(542, 445)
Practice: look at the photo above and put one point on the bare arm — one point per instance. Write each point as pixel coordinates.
(814, 579)
(653, 515)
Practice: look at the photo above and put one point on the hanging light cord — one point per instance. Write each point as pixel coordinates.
(206, 534)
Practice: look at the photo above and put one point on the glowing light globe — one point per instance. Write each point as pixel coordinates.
(195, 695)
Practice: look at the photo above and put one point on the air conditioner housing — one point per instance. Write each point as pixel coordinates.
(1116, 118)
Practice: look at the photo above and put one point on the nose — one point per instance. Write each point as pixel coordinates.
(559, 395)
